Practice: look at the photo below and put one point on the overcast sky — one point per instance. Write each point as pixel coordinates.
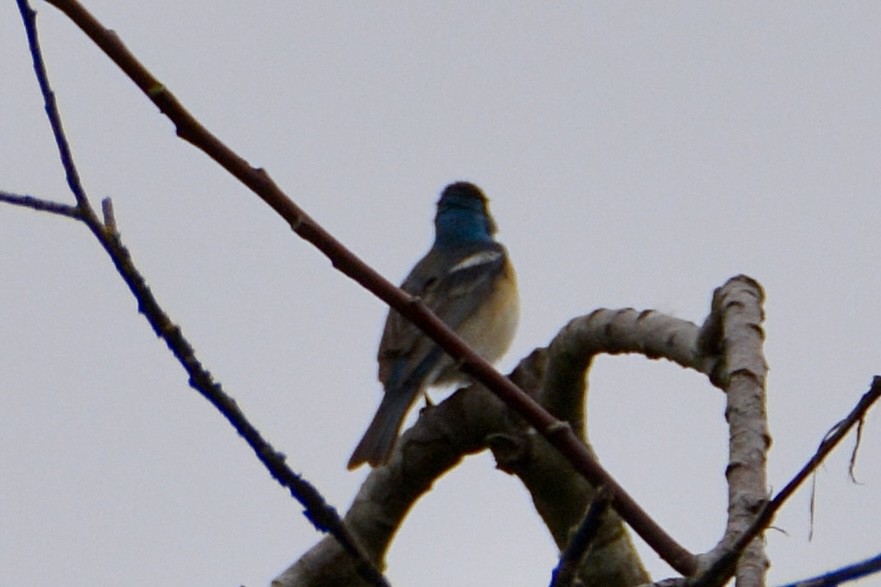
(636, 154)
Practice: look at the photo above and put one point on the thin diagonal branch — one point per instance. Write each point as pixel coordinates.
(319, 512)
(322, 515)
(846, 574)
(73, 179)
(722, 567)
(471, 363)
(570, 355)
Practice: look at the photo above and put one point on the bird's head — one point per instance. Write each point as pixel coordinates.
(463, 216)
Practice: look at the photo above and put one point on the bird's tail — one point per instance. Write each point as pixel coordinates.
(377, 443)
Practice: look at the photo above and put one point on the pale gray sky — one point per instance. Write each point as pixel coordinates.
(636, 154)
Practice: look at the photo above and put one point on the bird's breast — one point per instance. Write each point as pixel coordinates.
(491, 328)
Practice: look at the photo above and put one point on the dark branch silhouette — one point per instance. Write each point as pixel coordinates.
(846, 574)
(567, 570)
(322, 515)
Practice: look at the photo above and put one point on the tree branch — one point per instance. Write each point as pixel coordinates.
(615, 332)
(322, 515)
(570, 355)
(567, 570)
(739, 306)
(472, 420)
(40, 205)
(837, 577)
(723, 560)
(441, 437)
(467, 422)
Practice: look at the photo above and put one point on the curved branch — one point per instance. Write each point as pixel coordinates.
(605, 331)
(440, 438)
(467, 422)
(570, 355)
(472, 420)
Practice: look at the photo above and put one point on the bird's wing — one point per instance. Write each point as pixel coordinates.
(452, 286)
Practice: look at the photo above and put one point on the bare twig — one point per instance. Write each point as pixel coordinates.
(29, 16)
(837, 577)
(720, 568)
(852, 465)
(109, 217)
(567, 570)
(40, 205)
(322, 515)
(570, 354)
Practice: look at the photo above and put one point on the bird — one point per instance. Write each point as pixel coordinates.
(468, 281)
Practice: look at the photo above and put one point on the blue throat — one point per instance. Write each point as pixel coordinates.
(459, 223)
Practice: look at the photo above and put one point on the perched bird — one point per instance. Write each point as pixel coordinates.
(467, 280)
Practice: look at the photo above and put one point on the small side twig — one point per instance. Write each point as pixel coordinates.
(109, 217)
(852, 465)
(845, 574)
(567, 570)
(40, 205)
